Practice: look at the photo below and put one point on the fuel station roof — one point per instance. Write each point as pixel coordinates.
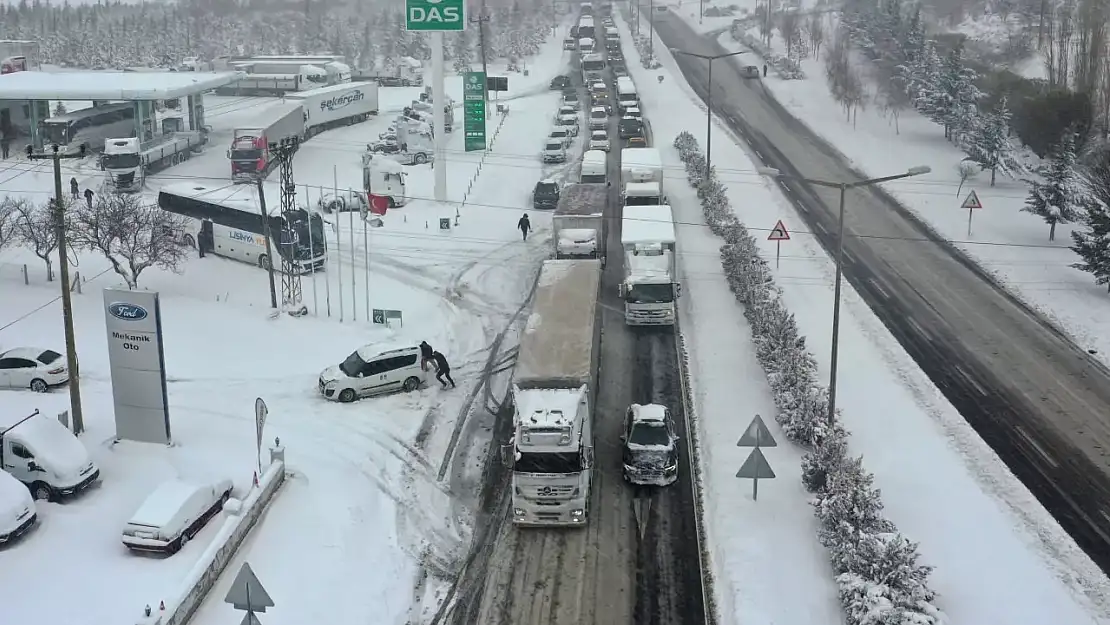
(110, 85)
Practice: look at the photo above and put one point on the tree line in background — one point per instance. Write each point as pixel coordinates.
(116, 35)
(979, 113)
(131, 233)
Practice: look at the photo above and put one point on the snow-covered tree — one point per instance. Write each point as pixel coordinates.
(959, 111)
(35, 225)
(8, 216)
(59, 109)
(1093, 243)
(1062, 197)
(989, 142)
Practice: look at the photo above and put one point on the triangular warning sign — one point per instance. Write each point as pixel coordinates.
(756, 467)
(757, 435)
(779, 233)
(972, 201)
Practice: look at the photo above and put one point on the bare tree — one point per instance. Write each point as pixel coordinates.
(1090, 47)
(132, 234)
(8, 234)
(790, 28)
(35, 225)
(815, 30)
(845, 82)
(892, 98)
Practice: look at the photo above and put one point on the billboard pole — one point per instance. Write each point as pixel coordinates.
(439, 100)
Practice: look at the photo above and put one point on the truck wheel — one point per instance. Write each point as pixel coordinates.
(189, 241)
(346, 396)
(420, 159)
(39, 386)
(411, 384)
(334, 206)
(41, 491)
(392, 202)
(264, 261)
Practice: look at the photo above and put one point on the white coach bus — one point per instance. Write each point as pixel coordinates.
(231, 226)
(89, 127)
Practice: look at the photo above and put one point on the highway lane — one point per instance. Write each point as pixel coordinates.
(1039, 401)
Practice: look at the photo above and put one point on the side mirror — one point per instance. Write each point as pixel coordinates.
(508, 456)
(34, 467)
(678, 289)
(620, 290)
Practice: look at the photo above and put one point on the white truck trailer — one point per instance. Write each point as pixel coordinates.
(127, 162)
(643, 168)
(579, 222)
(250, 153)
(338, 105)
(649, 288)
(554, 391)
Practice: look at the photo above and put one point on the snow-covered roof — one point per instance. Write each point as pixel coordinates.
(648, 412)
(647, 224)
(641, 158)
(110, 85)
(558, 340)
(30, 353)
(13, 494)
(341, 87)
(53, 444)
(161, 506)
(641, 188)
(584, 198)
(594, 156)
(240, 197)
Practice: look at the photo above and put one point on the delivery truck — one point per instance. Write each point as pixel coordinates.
(649, 288)
(578, 223)
(250, 153)
(641, 176)
(338, 105)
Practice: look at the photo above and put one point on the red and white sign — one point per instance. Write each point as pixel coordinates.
(379, 204)
(779, 233)
(972, 201)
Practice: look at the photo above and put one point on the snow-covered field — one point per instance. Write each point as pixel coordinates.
(365, 502)
(999, 556)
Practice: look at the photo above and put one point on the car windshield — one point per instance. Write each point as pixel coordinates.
(246, 155)
(651, 293)
(548, 463)
(48, 356)
(650, 434)
(546, 188)
(352, 366)
(555, 146)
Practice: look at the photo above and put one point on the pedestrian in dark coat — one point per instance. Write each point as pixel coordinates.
(524, 226)
(764, 70)
(426, 352)
(5, 145)
(89, 197)
(444, 369)
(74, 189)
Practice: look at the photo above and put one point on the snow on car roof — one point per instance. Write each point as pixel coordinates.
(648, 412)
(373, 350)
(53, 444)
(159, 508)
(32, 85)
(12, 491)
(30, 353)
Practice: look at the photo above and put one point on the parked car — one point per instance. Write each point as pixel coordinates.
(650, 455)
(561, 134)
(34, 368)
(45, 456)
(570, 98)
(173, 514)
(373, 370)
(570, 122)
(599, 140)
(554, 151)
(749, 71)
(546, 194)
(599, 88)
(560, 82)
(17, 509)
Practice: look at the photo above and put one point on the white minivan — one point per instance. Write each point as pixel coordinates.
(373, 370)
(44, 455)
(593, 166)
(173, 514)
(17, 509)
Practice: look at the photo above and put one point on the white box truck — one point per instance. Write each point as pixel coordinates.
(642, 167)
(338, 105)
(554, 391)
(578, 223)
(594, 167)
(626, 93)
(649, 288)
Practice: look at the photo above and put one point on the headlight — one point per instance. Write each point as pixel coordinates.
(577, 514)
(330, 385)
(518, 512)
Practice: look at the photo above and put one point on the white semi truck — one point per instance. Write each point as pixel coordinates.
(649, 288)
(641, 176)
(578, 223)
(554, 391)
(338, 105)
(127, 162)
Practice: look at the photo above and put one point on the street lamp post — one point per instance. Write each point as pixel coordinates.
(709, 58)
(843, 188)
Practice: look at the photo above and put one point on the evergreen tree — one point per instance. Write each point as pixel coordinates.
(1093, 244)
(923, 83)
(959, 106)
(1061, 198)
(990, 145)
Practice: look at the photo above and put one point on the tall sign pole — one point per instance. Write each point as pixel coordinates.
(437, 17)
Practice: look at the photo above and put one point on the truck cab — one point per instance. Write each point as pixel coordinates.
(123, 163)
(384, 177)
(46, 457)
(649, 288)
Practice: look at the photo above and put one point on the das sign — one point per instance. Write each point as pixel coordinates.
(433, 15)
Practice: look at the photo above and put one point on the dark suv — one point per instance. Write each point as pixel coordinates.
(650, 455)
(545, 195)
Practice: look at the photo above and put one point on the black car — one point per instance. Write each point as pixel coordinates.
(560, 82)
(629, 127)
(545, 195)
(650, 455)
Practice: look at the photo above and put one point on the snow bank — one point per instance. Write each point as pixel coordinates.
(212, 563)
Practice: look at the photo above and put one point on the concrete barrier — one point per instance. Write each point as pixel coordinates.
(202, 578)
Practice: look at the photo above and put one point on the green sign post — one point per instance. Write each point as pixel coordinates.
(435, 15)
(474, 111)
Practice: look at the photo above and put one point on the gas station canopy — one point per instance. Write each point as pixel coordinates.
(110, 85)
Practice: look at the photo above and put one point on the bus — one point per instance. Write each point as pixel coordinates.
(89, 127)
(230, 225)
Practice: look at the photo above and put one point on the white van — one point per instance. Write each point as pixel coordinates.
(173, 514)
(44, 455)
(593, 166)
(17, 509)
(373, 370)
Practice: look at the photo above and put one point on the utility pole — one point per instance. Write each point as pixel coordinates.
(290, 271)
(266, 235)
(651, 30)
(59, 215)
(481, 22)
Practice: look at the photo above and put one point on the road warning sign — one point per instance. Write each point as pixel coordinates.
(779, 233)
(972, 201)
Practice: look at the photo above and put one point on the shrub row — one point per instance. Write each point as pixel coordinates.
(879, 578)
(786, 67)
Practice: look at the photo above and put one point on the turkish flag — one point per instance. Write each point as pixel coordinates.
(378, 204)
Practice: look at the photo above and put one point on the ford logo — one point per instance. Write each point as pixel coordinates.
(127, 312)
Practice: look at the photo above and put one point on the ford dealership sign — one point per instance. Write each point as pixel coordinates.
(127, 312)
(133, 321)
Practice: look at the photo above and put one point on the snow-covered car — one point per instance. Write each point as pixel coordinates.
(638, 141)
(570, 122)
(173, 514)
(570, 98)
(373, 370)
(554, 151)
(650, 455)
(570, 43)
(599, 140)
(633, 112)
(599, 117)
(44, 455)
(559, 83)
(341, 202)
(34, 368)
(17, 509)
(562, 134)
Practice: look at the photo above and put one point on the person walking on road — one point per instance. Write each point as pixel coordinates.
(426, 353)
(443, 369)
(89, 197)
(524, 226)
(74, 189)
(5, 144)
